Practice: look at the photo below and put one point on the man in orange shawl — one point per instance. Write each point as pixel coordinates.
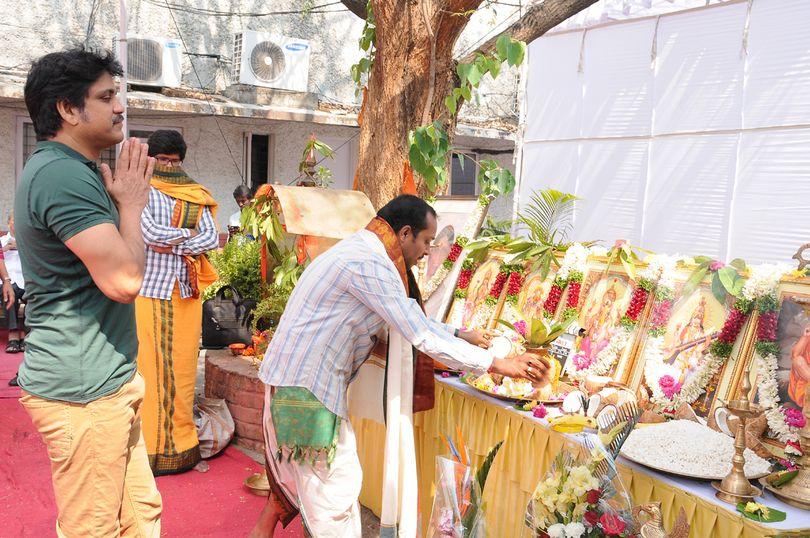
(178, 228)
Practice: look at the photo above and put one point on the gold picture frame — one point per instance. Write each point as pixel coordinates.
(695, 321)
(793, 359)
(604, 297)
(472, 312)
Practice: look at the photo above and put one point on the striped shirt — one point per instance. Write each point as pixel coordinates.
(162, 270)
(343, 299)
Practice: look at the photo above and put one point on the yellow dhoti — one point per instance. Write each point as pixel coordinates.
(168, 336)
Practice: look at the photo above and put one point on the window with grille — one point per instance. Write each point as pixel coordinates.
(29, 144)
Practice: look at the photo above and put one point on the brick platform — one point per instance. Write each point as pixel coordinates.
(235, 379)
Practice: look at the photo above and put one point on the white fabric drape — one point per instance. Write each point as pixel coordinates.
(684, 133)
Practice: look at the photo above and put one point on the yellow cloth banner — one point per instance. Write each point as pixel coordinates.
(524, 458)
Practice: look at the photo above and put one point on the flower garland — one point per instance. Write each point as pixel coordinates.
(468, 267)
(782, 421)
(605, 359)
(569, 276)
(662, 378)
(458, 246)
(554, 296)
(444, 269)
(497, 287)
(514, 284)
(638, 300)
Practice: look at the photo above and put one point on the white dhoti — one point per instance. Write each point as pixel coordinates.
(326, 496)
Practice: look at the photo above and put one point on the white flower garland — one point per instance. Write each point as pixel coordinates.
(606, 358)
(441, 272)
(435, 281)
(768, 391)
(655, 369)
(575, 259)
(763, 282)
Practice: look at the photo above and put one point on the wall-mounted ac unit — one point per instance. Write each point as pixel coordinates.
(154, 61)
(272, 61)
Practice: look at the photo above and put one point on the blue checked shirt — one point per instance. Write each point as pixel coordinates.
(162, 270)
(340, 303)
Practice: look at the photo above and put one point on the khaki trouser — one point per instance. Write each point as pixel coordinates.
(100, 470)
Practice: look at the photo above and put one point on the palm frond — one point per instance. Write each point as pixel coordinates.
(548, 215)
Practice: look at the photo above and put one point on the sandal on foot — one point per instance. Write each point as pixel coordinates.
(13, 346)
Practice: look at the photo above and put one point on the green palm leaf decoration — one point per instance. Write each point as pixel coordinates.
(548, 216)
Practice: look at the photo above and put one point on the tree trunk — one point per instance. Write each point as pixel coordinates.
(412, 75)
(400, 86)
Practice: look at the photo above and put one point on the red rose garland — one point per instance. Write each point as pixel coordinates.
(731, 328)
(638, 300)
(455, 252)
(572, 299)
(497, 286)
(464, 278)
(554, 296)
(514, 284)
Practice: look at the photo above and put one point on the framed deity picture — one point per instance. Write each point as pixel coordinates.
(603, 346)
(677, 359)
(477, 306)
(779, 373)
(534, 292)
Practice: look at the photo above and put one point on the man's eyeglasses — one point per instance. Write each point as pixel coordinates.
(168, 162)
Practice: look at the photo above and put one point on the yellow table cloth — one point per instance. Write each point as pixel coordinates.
(525, 457)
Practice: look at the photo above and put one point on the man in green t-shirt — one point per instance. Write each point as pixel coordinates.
(82, 253)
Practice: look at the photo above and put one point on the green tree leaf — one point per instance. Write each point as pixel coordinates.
(502, 47)
(450, 103)
(516, 53)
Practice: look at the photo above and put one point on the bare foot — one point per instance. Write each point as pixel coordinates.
(202, 467)
(266, 526)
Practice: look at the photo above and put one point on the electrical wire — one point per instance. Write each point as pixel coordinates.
(494, 31)
(218, 13)
(208, 99)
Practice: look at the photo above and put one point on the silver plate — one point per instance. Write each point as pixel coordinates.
(687, 475)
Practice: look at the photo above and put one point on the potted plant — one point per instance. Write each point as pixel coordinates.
(536, 335)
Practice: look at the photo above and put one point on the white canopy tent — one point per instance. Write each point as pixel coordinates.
(682, 132)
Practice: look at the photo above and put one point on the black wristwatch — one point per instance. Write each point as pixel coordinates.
(455, 333)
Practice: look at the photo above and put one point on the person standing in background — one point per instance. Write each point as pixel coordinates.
(178, 228)
(16, 329)
(242, 197)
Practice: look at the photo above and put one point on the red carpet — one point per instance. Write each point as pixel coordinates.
(212, 504)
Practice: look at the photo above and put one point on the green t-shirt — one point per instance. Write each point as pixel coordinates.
(82, 345)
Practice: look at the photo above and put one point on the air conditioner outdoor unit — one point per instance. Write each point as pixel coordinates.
(154, 61)
(272, 61)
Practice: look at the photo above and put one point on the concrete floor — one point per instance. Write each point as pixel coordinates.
(371, 523)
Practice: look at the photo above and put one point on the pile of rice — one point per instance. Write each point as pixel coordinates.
(685, 447)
